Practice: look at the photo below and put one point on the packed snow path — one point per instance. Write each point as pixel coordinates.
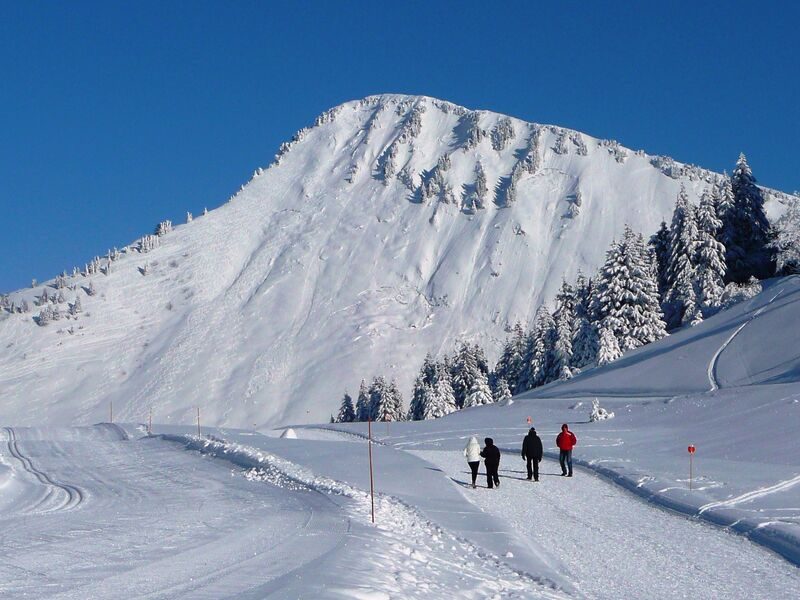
(613, 545)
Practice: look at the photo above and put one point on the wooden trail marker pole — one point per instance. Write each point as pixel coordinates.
(691, 465)
(371, 483)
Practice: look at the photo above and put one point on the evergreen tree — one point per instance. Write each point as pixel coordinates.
(75, 308)
(565, 322)
(502, 393)
(584, 344)
(710, 256)
(480, 393)
(347, 413)
(608, 348)
(362, 403)
(464, 371)
(441, 400)
(680, 303)
(538, 361)
(627, 295)
(747, 228)
(509, 365)
(787, 241)
(660, 244)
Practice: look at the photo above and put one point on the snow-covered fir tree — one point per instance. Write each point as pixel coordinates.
(502, 393)
(680, 302)
(463, 372)
(75, 308)
(442, 401)
(584, 344)
(480, 393)
(537, 366)
(362, 402)
(709, 256)
(509, 365)
(746, 230)
(502, 133)
(189, 217)
(608, 349)
(481, 187)
(564, 317)
(45, 316)
(347, 413)
(163, 228)
(787, 241)
(660, 245)
(627, 295)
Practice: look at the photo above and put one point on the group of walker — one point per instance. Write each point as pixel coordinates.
(532, 453)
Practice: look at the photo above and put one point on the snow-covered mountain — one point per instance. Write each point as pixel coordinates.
(396, 225)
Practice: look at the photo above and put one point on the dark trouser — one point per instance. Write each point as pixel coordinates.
(565, 458)
(533, 468)
(474, 466)
(491, 476)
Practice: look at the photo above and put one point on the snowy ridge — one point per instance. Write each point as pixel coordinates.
(394, 226)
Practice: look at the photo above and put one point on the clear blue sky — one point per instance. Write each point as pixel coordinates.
(114, 116)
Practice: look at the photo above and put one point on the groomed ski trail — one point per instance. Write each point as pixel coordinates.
(58, 496)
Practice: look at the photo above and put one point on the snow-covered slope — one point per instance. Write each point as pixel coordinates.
(353, 255)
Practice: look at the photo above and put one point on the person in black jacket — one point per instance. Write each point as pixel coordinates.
(532, 452)
(491, 457)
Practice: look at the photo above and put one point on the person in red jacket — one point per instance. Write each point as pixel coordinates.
(565, 441)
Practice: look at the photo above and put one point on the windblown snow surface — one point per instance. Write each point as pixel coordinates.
(107, 511)
(332, 265)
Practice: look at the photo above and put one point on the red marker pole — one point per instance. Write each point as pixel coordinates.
(530, 420)
(691, 466)
(371, 484)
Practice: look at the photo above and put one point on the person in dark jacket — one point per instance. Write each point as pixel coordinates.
(491, 457)
(532, 452)
(565, 441)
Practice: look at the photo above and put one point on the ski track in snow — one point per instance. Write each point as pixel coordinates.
(614, 545)
(749, 496)
(712, 365)
(58, 496)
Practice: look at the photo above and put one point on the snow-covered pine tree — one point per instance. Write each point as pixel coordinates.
(443, 400)
(347, 413)
(502, 394)
(481, 187)
(627, 294)
(709, 257)
(480, 393)
(608, 348)
(163, 228)
(747, 227)
(362, 402)
(787, 240)
(584, 344)
(502, 133)
(565, 320)
(416, 408)
(509, 365)
(680, 305)
(90, 291)
(75, 308)
(378, 397)
(660, 245)
(463, 372)
(45, 316)
(538, 363)
(395, 410)
(189, 217)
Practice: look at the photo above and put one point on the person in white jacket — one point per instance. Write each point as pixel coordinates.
(473, 454)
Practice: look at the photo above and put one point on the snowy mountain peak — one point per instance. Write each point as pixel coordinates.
(394, 226)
